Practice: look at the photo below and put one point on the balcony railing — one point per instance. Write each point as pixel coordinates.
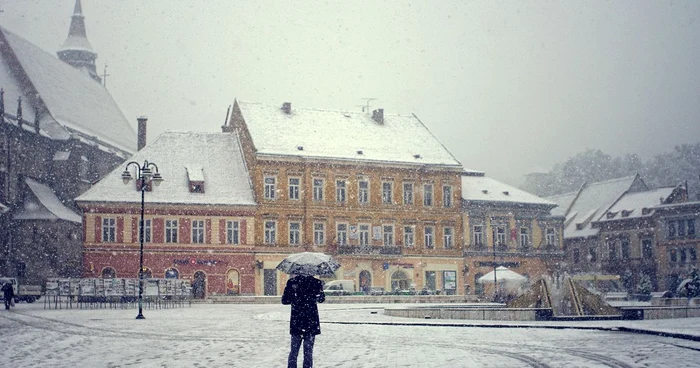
(367, 249)
(505, 251)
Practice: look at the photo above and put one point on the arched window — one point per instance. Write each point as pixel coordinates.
(109, 273)
(400, 281)
(233, 282)
(172, 273)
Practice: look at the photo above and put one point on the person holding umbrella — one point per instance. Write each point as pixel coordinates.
(302, 292)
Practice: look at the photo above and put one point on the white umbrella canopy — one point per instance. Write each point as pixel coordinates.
(309, 263)
(503, 274)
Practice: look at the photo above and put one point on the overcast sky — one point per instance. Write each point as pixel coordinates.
(508, 87)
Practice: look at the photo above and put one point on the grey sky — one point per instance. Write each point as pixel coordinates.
(509, 87)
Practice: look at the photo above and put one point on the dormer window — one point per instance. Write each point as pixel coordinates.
(626, 213)
(611, 214)
(195, 178)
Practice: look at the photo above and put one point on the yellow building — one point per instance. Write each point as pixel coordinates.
(505, 226)
(378, 191)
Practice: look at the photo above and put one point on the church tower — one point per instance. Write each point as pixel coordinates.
(76, 49)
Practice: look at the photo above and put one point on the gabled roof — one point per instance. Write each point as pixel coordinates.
(636, 205)
(482, 188)
(225, 175)
(329, 134)
(45, 205)
(70, 103)
(591, 202)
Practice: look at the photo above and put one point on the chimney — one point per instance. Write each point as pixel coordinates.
(142, 132)
(287, 108)
(378, 116)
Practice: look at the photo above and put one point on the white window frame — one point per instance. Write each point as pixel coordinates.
(429, 236)
(407, 194)
(447, 196)
(364, 234)
(363, 193)
(171, 231)
(524, 236)
(295, 234)
(318, 184)
(448, 237)
(478, 236)
(409, 236)
(233, 232)
(109, 230)
(270, 232)
(147, 231)
(387, 192)
(197, 230)
(341, 233)
(319, 233)
(551, 237)
(294, 188)
(341, 190)
(428, 195)
(388, 235)
(270, 186)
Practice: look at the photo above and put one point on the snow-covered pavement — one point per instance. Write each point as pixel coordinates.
(353, 335)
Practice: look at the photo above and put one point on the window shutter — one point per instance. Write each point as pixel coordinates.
(98, 229)
(158, 230)
(207, 231)
(185, 236)
(222, 231)
(135, 229)
(120, 229)
(244, 232)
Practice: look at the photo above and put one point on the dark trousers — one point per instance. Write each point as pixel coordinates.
(308, 350)
(7, 302)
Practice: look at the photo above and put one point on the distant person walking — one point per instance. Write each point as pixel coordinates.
(8, 294)
(303, 292)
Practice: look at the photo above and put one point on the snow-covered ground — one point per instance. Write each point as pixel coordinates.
(353, 335)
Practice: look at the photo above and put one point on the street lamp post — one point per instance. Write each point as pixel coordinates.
(145, 175)
(495, 280)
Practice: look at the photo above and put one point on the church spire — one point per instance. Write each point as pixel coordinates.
(76, 49)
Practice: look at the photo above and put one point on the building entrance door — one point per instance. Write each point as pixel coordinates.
(270, 282)
(199, 285)
(430, 281)
(365, 282)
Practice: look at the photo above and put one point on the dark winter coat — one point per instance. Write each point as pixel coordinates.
(7, 291)
(303, 292)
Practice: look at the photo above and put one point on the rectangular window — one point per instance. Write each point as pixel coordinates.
(270, 183)
(340, 191)
(388, 233)
(319, 233)
(673, 255)
(318, 189)
(693, 255)
(524, 237)
(448, 237)
(270, 232)
(427, 195)
(671, 229)
(447, 196)
(625, 248)
(294, 233)
(576, 255)
(681, 229)
(147, 231)
(612, 250)
(341, 233)
(551, 236)
(429, 237)
(691, 228)
(233, 232)
(647, 248)
(171, 231)
(109, 230)
(478, 235)
(198, 231)
(387, 192)
(409, 236)
(363, 191)
(499, 235)
(592, 255)
(364, 235)
(684, 257)
(294, 184)
(407, 193)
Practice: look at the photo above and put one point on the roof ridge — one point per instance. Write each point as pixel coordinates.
(325, 110)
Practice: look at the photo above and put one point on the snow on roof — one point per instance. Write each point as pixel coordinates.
(593, 200)
(75, 42)
(218, 154)
(73, 99)
(49, 207)
(61, 155)
(632, 204)
(482, 188)
(343, 135)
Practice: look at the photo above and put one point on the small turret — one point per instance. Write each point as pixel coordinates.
(76, 49)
